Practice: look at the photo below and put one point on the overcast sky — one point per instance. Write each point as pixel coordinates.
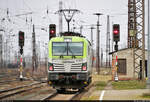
(117, 9)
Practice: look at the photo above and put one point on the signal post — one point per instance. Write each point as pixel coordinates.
(21, 44)
(116, 38)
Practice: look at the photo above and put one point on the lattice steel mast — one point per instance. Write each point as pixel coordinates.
(131, 23)
(136, 34)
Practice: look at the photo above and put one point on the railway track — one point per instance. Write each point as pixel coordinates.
(69, 95)
(14, 79)
(11, 93)
(49, 96)
(7, 77)
(20, 89)
(57, 96)
(82, 92)
(7, 80)
(53, 95)
(3, 75)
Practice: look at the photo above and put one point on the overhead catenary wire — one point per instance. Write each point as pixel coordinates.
(24, 22)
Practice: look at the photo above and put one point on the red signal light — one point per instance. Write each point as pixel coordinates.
(116, 31)
(52, 32)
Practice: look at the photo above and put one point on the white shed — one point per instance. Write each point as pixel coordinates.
(126, 62)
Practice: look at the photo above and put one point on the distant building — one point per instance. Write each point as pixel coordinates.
(126, 63)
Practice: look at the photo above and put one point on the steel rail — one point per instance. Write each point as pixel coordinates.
(19, 87)
(20, 91)
(54, 94)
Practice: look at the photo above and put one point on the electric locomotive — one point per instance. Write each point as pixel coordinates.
(69, 62)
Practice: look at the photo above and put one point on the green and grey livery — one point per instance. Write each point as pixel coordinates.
(69, 62)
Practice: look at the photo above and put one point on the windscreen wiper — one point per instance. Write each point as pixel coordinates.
(62, 56)
(73, 56)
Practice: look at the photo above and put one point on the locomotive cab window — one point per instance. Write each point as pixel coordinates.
(75, 49)
(59, 48)
(67, 48)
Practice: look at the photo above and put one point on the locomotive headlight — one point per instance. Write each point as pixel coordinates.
(50, 67)
(84, 66)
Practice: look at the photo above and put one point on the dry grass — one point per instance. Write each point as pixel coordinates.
(145, 96)
(105, 78)
(132, 84)
(104, 75)
(100, 85)
(101, 80)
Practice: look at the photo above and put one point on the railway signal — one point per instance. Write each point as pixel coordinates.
(52, 31)
(116, 38)
(21, 38)
(21, 44)
(116, 32)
